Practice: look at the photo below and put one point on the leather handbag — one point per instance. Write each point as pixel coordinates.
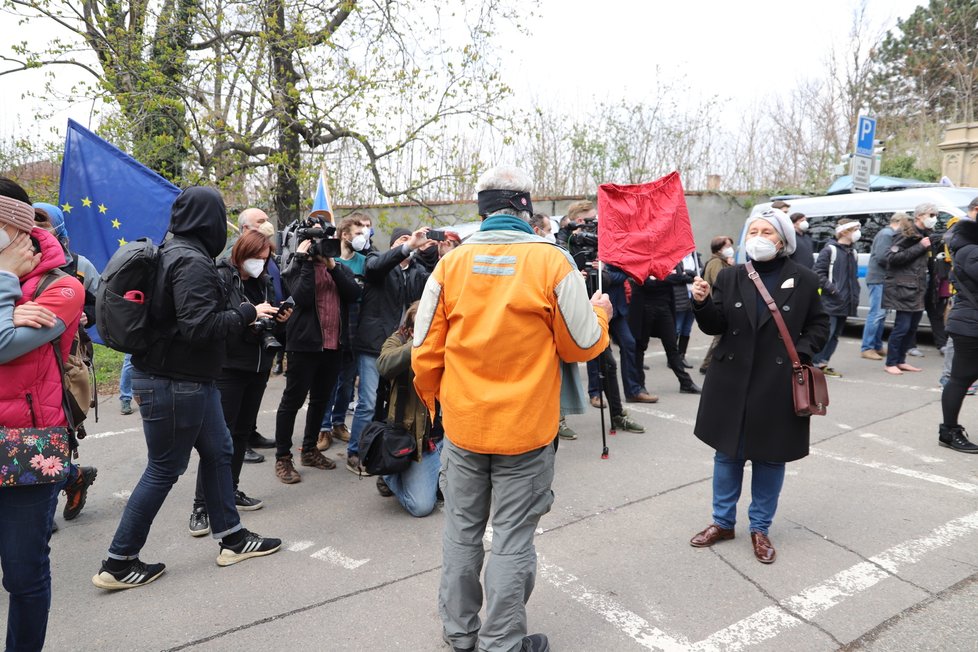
(808, 387)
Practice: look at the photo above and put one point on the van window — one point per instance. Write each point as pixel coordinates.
(822, 229)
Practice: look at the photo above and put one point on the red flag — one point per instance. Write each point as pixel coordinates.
(644, 229)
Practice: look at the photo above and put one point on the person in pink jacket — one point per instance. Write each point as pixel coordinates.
(30, 397)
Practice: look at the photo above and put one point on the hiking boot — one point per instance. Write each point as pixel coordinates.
(564, 431)
(622, 422)
(955, 438)
(353, 466)
(382, 488)
(251, 457)
(135, 574)
(325, 440)
(250, 545)
(200, 524)
(245, 503)
(341, 432)
(316, 459)
(829, 371)
(535, 643)
(77, 492)
(125, 406)
(285, 470)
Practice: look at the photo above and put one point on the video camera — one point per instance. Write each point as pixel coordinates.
(582, 243)
(323, 236)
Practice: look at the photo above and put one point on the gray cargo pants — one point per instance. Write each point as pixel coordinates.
(518, 486)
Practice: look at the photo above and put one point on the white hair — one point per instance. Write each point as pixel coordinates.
(925, 208)
(244, 217)
(504, 177)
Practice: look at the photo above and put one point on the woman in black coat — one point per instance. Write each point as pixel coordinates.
(747, 410)
(905, 284)
(962, 327)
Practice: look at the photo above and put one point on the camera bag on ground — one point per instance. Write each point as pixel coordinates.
(386, 447)
(122, 302)
(77, 370)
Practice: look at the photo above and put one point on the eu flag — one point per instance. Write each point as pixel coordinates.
(108, 197)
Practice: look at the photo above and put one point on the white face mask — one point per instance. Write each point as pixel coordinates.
(727, 252)
(856, 235)
(253, 267)
(4, 239)
(803, 226)
(360, 242)
(551, 238)
(930, 222)
(761, 249)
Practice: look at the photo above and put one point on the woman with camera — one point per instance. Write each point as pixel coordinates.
(244, 375)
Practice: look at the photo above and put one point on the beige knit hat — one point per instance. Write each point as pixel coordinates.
(17, 214)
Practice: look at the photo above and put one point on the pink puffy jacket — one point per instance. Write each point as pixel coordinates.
(30, 390)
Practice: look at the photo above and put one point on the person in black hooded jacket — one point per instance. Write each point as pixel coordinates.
(174, 385)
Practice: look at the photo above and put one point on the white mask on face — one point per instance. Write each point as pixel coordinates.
(253, 267)
(551, 238)
(4, 239)
(930, 222)
(856, 235)
(360, 242)
(727, 252)
(761, 249)
(803, 226)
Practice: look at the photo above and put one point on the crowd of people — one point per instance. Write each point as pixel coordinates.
(400, 336)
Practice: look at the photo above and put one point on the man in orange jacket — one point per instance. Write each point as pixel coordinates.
(497, 316)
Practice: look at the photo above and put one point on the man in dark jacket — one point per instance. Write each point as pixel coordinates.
(804, 249)
(393, 281)
(838, 276)
(174, 384)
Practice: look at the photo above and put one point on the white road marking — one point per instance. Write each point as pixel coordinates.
(122, 495)
(909, 450)
(299, 546)
(916, 388)
(898, 470)
(336, 557)
(844, 426)
(660, 414)
(112, 433)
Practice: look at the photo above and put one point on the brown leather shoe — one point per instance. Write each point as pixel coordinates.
(315, 458)
(325, 440)
(711, 535)
(642, 397)
(763, 549)
(598, 402)
(341, 432)
(285, 470)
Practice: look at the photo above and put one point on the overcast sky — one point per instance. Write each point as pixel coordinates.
(580, 50)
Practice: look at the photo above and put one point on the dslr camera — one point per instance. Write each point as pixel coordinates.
(323, 236)
(265, 326)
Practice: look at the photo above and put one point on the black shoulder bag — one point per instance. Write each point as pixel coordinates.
(387, 447)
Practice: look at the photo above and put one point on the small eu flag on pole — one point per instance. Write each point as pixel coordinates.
(322, 205)
(108, 197)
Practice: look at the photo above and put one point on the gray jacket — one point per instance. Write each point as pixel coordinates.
(876, 269)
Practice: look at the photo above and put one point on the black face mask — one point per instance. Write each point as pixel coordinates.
(491, 201)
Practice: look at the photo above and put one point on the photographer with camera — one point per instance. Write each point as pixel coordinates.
(244, 375)
(322, 289)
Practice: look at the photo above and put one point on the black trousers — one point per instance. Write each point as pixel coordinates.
(311, 373)
(964, 373)
(651, 317)
(241, 394)
(608, 367)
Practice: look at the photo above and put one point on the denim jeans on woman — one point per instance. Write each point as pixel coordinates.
(875, 319)
(26, 514)
(767, 478)
(178, 416)
(417, 487)
(902, 336)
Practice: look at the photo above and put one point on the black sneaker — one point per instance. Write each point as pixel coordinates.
(252, 545)
(135, 574)
(245, 503)
(200, 524)
(535, 643)
(77, 492)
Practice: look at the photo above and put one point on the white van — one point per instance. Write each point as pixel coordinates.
(873, 210)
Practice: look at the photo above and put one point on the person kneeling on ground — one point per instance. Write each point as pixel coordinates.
(417, 487)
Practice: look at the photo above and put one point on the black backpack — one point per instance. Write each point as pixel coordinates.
(124, 296)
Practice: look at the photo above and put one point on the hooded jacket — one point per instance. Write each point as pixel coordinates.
(190, 304)
(31, 393)
(246, 353)
(840, 295)
(962, 240)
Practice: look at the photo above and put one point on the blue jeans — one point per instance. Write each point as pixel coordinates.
(26, 514)
(366, 400)
(873, 328)
(178, 416)
(767, 479)
(621, 335)
(417, 487)
(902, 335)
(342, 393)
(684, 323)
(125, 379)
(836, 324)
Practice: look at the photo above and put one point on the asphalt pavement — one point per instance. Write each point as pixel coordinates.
(877, 533)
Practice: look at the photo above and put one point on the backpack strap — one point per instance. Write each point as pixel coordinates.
(834, 252)
(46, 281)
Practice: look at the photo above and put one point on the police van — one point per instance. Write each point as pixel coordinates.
(873, 211)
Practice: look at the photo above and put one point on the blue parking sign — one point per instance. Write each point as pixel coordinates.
(865, 135)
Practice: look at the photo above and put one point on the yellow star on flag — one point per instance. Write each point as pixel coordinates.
(66, 207)
(86, 202)
(116, 224)
(122, 242)
(102, 208)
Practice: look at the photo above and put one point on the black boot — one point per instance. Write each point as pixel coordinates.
(956, 438)
(683, 345)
